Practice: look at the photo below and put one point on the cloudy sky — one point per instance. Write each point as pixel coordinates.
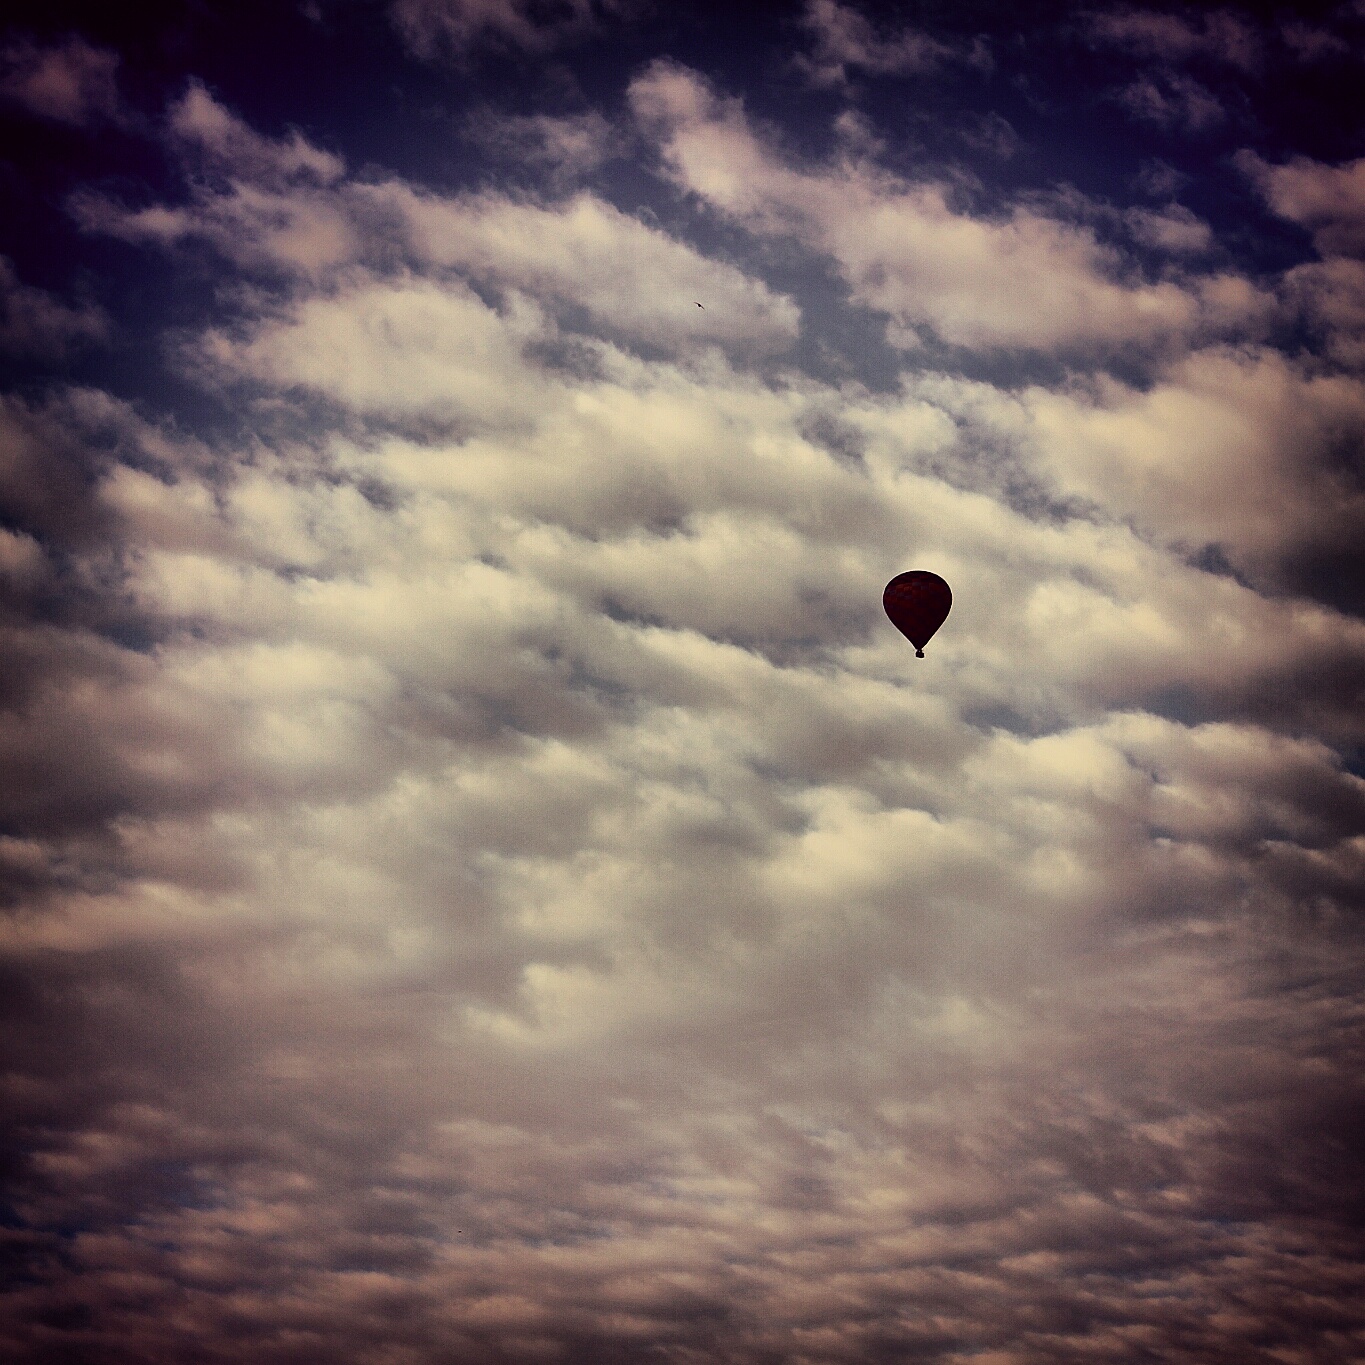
(483, 881)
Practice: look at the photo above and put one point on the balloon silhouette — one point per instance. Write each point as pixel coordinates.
(918, 603)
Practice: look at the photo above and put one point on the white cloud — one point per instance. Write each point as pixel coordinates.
(261, 202)
(285, 205)
(1172, 228)
(1017, 278)
(301, 232)
(1159, 179)
(566, 147)
(549, 943)
(71, 83)
(1310, 43)
(1171, 101)
(34, 322)
(1221, 35)
(198, 121)
(991, 133)
(1229, 447)
(394, 348)
(845, 40)
(1162, 94)
(494, 883)
(545, 961)
(631, 278)
(1330, 295)
(1330, 200)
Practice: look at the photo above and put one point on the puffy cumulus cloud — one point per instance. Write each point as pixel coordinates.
(72, 82)
(845, 40)
(524, 900)
(231, 147)
(1330, 295)
(1021, 279)
(261, 202)
(53, 455)
(34, 322)
(485, 881)
(384, 348)
(1330, 202)
(1238, 449)
(432, 27)
(630, 278)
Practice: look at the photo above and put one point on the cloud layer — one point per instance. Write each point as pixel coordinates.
(484, 881)
(1022, 278)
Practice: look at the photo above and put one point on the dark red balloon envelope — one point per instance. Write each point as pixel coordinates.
(918, 603)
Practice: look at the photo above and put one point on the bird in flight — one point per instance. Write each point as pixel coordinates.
(701, 306)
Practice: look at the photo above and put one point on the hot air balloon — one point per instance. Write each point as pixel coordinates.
(918, 603)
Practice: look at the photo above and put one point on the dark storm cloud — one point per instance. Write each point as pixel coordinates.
(483, 881)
